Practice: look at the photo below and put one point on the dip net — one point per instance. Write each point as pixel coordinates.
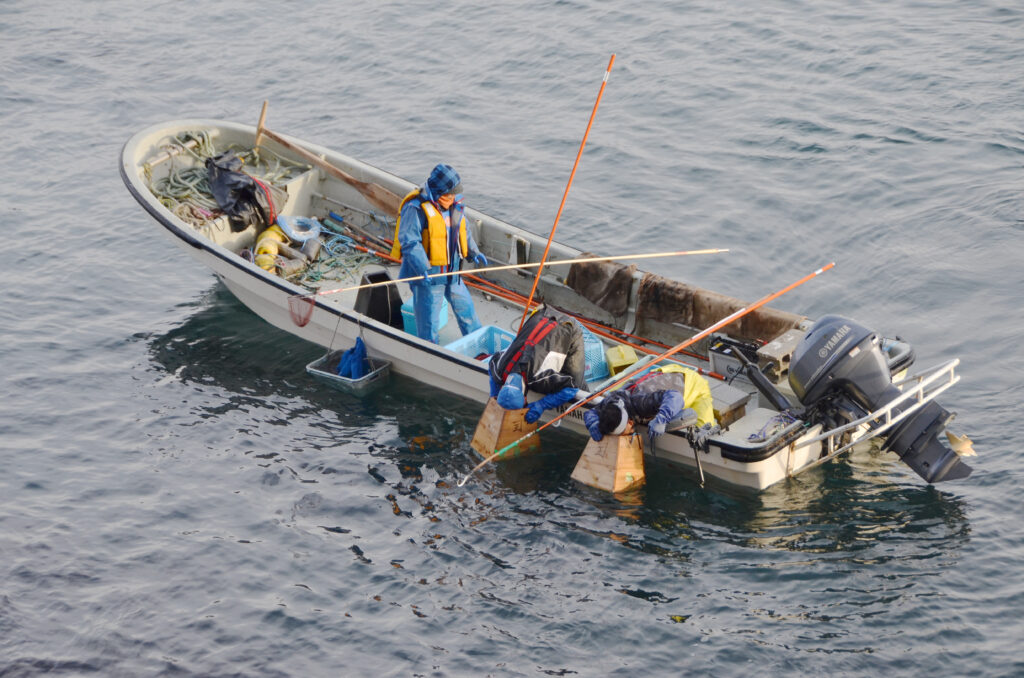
(301, 309)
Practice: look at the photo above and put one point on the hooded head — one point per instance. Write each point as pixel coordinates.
(443, 179)
(511, 396)
(612, 416)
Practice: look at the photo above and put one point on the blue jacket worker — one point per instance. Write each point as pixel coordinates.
(545, 357)
(432, 237)
(664, 398)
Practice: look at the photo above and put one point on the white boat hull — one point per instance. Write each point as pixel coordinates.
(335, 324)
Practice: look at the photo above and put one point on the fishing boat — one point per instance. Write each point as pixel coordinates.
(789, 392)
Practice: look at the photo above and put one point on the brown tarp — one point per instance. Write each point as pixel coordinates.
(605, 283)
(669, 301)
(608, 284)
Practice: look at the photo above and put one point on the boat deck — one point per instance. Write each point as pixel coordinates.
(490, 310)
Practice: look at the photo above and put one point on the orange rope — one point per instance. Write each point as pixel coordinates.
(565, 195)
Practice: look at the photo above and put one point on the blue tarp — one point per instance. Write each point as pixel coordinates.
(353, 363)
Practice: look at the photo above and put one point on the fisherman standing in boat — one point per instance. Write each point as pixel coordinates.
(547, 356)
(666, 398)
(432, 237)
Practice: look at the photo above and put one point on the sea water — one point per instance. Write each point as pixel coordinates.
(178, 497)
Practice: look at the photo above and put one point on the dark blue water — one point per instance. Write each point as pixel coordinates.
(178, 498)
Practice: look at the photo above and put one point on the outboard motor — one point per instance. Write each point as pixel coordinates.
(840, 374)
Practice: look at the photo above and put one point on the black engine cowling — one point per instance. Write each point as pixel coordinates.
(840, 373)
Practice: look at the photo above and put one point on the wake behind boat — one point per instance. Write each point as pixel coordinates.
(789, 393)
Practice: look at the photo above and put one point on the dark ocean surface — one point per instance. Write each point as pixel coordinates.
(178, 497)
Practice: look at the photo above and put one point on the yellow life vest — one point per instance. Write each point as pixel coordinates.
(696, 394)
(435, 235)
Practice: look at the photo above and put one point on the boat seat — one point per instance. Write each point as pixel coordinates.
(728, 402)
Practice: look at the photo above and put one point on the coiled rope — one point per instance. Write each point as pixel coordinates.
(185, 190)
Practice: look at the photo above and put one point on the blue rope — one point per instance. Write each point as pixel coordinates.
(775, 425)
(339, 244)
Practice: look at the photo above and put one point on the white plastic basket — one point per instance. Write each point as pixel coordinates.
(324, 370)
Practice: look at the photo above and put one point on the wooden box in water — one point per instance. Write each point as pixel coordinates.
(499, 427)
(613, 464)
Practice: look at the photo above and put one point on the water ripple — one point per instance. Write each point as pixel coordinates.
(179, 498)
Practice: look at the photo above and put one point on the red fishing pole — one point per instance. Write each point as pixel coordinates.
(565, 195)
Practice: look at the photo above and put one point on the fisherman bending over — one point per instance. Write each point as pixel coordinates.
(665, 399)
(546, 357)
(431, 236)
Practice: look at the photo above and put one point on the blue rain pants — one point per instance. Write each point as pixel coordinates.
(426, 304)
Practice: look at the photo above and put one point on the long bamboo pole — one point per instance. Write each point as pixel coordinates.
(508, 267)
(628, 373)
(565, 195)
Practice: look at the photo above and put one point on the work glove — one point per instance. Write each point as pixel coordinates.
(591, 419)
(701, 436)
(547, 402)
(655, 427)
(533, 412)
(415, 264)
(479, 259)
(671, 406)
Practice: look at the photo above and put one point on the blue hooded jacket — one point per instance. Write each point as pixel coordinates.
(443, 179)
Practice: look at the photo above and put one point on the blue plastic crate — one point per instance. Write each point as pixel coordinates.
(593, 350)
(487, 340)
(409, 316)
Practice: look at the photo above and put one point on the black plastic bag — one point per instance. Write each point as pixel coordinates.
(245, 199)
